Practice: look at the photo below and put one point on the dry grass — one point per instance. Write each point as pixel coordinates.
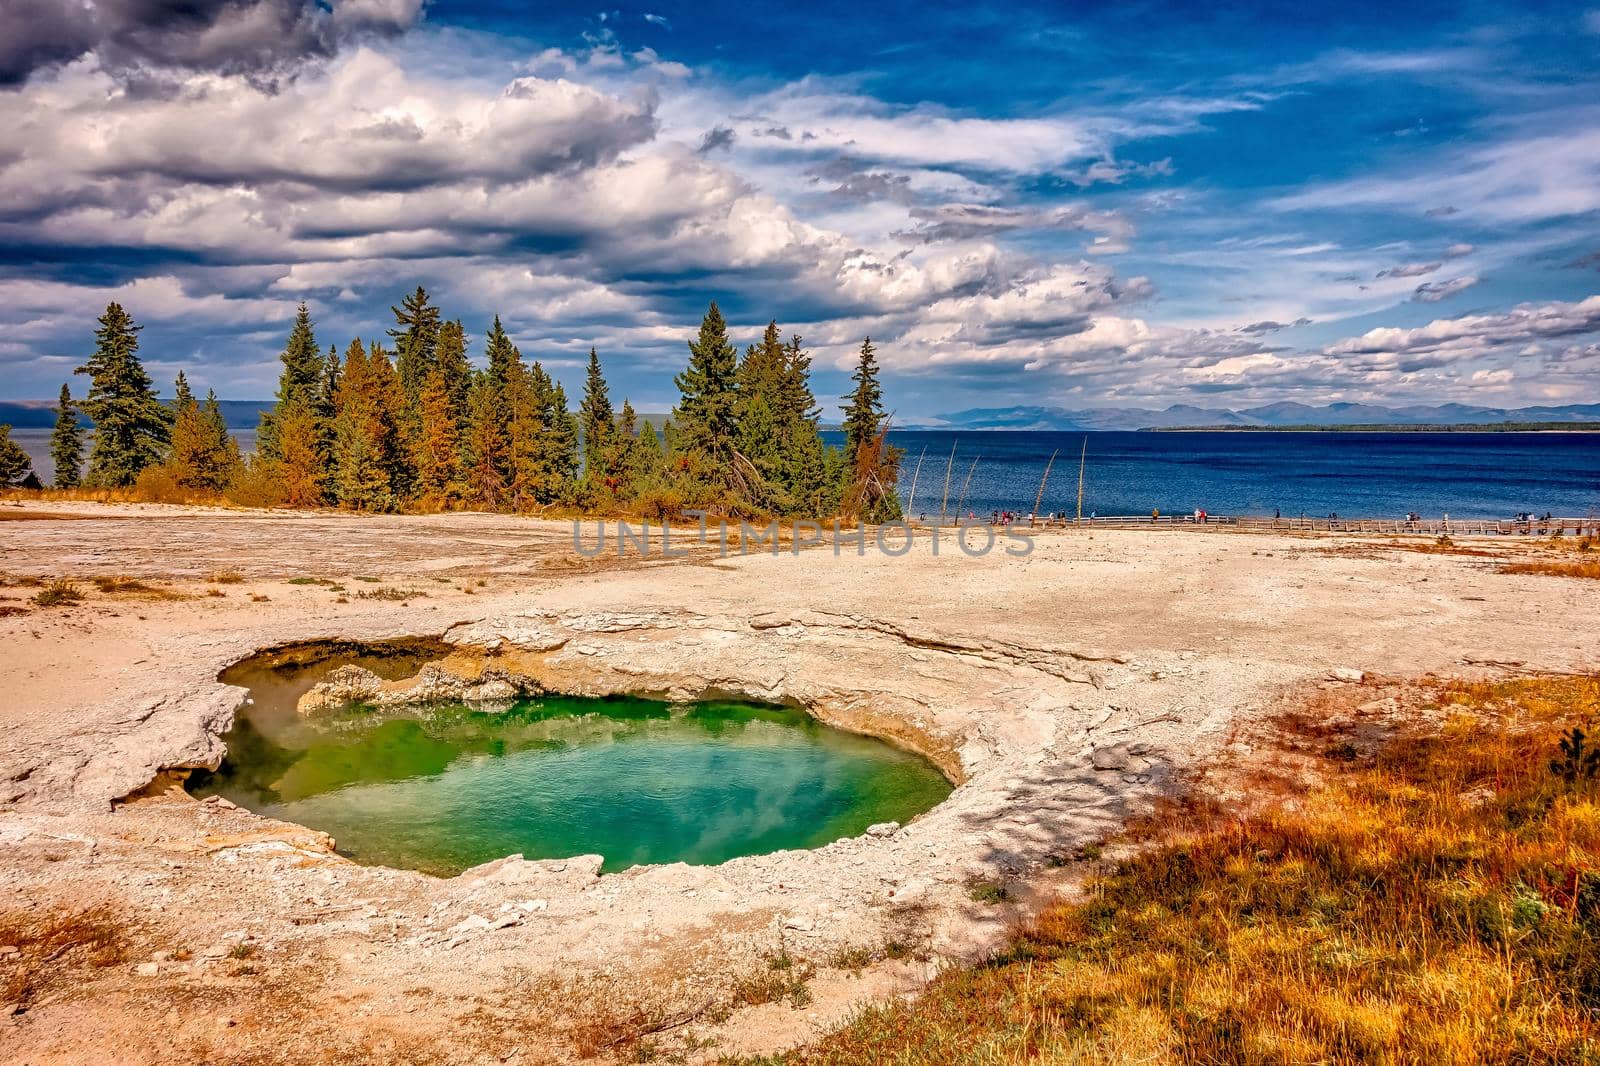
(58, 593)
(225, 577)
(51, 945)
(1437, 901)
(1589, 568)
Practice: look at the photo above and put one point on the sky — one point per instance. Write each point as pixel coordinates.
(1080, 206)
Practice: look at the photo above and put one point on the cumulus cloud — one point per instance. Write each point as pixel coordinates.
(366, 126)
(224, 36)
(1433, 292)
(1472, 336)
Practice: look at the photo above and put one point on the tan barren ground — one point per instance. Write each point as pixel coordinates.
(1062, 691)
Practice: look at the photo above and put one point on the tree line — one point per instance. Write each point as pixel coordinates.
(410, 423)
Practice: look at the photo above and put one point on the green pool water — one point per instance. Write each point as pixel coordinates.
(444, 787)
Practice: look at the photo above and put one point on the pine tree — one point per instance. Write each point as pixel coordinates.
(484, 444)
(389, 404)
(503, 356)
(326, 405)
(300, 380)
(302, 478)
(871, 465)
(203, 455)
(15, 466)
(361, 435)
(416, 342)
(863, 413)
(438, 446)
(804, 468)
(131, 423)
(760, 437)
(224, 448)
(66, 443)
(597, 418)
(450, 359)
(706, 433)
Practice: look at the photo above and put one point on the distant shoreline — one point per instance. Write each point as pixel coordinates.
(1378, 427)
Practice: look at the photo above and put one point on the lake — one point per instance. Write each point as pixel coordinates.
(1373, 475)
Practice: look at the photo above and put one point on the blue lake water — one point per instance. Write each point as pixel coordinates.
(1373, 475)
(1379, 475)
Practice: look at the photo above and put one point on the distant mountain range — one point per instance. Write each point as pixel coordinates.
(246, 414)
(1271, 415)
(41, 414)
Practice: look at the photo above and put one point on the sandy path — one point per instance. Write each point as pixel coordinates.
(1022, 674)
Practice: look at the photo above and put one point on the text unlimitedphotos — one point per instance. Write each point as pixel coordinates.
(972, 539)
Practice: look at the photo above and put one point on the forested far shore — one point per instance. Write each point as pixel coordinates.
(409, 423)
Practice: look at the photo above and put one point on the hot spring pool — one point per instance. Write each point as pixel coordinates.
(443, 787)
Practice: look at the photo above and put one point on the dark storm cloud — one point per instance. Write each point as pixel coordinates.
(717, 138)
(1257, 329)
(226, 36)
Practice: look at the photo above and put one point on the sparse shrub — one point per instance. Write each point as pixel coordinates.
(112, 585)
(782, 980)
(1578, 761)
(225, 577)
(58, 593)
(850, 958)
(387, 593)
(990, 892)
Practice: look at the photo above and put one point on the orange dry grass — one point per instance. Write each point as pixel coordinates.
(1439, 903)
(1589, 568)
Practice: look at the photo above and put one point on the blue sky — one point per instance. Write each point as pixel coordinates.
(1099, 206)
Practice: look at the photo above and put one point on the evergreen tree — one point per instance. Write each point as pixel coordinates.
(326, 405)
(760, 436)
(450, 359)
(362, 436)
(438, 446)
(302, 478)
(485, 445)
(504, 359)
(16, 469)
(706, 432)
(224, 448)
(390, 411)
(871, 465)
(66, 443)
(597, 417)
(131, 423)
(416, 342)
(863, 413)
(300, 380)
(805, 459)
(203, 455)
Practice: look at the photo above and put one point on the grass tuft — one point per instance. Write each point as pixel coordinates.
(58, 593)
